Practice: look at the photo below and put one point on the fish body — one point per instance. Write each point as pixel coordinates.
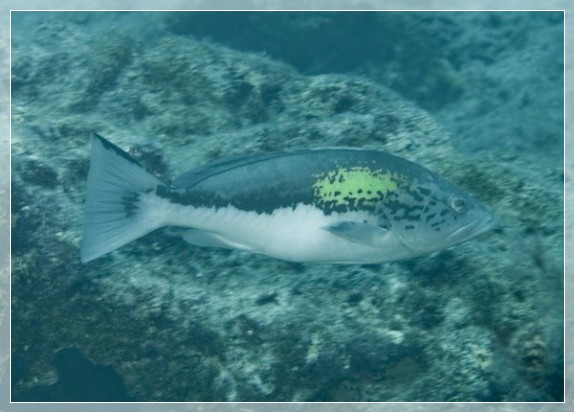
(336, 205)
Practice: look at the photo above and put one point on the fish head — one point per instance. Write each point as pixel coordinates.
(432, 214)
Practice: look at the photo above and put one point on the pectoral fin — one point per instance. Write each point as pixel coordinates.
(361, 233)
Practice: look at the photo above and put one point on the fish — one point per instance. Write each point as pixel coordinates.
(317, 205)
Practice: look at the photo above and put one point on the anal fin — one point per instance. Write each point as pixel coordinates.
(202, 238)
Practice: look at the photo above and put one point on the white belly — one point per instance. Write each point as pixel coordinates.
(296, 235)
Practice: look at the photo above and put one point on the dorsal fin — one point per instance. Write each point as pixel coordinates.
(194, 176)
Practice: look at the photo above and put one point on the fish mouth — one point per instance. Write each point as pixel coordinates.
(484, 221)
(474, 228)
(489, 225)
(460, 235)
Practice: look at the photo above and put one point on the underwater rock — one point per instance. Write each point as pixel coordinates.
(79, 380)
(217, 325)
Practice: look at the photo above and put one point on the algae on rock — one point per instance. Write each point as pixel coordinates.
(215, 325)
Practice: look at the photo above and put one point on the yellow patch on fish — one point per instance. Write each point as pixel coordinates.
(343, 185)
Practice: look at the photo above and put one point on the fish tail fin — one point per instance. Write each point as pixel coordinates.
(114, 212)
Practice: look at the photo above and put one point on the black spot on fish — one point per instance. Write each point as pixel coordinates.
(424, 191)
(130, 203)
(413, 212)
(430, 216)
(410, 227)
(416, 196)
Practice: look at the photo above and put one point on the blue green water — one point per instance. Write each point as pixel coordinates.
(476, 96)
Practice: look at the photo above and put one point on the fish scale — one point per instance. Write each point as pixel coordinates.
(334, 205)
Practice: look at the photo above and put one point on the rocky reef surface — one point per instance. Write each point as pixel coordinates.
(164, 321)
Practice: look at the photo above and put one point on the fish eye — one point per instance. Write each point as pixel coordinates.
(457, 204)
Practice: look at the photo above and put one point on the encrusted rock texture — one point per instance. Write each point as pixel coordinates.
(165, 321)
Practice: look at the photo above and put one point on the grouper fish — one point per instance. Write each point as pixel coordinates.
(333, 205)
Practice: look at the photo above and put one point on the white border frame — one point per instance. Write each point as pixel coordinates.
(274, 5)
